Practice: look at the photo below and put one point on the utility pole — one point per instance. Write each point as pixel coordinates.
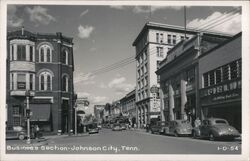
(185, 22)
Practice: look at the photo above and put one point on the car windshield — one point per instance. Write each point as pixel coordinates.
(220, 122)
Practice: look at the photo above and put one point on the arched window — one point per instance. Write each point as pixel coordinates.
(65, 83)
(42, 55)
(48, 55)
(65, 57)
(45, 81)
(45, 53)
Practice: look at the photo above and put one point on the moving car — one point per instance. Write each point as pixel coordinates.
(159, 127)
(93, 128)
(16, 132)
(179, 128)
(117, 127)
(215, 128)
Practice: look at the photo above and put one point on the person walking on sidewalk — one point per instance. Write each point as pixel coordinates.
(36, 131)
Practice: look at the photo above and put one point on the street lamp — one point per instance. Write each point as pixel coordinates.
(28, 95)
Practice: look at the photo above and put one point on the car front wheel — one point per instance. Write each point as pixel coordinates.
(211, 137)
(21, 137)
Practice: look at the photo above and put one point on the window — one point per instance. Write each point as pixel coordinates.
(31, 53)
(158, 78)
(211, 78)
(218, 75)
(174, 39)
(15, 110)
(205, 79)
(21, 52)
(190, 75)
(157, 37)
(160, 51)
(16, 121)
(225, 72)
(146, 80)
(233, 69)
(158, 64)
(239, 68)
(161, 38)
(65, 83)
(42, 83)
(139, 73)
(42, 55)
(21, 81)
(45, 81)
(169, 39)
(142, 70)
(145, 54)
(65, 57)
(146, 67)
(137, 62)
(31, 82)
(11, 52)
(45, 54)
(48, 55)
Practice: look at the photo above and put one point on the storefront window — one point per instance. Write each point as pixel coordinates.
(205, 79)
(218, 75)
(225, 72)
(211, 78)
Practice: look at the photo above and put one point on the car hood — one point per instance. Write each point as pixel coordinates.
(226, 128)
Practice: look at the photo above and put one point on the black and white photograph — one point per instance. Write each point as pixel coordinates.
(124, 80)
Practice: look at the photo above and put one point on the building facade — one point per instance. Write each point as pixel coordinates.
(99, 113)
(221, 80)
(179, 77)
(128, 106)
(42, 66)
(152, 45)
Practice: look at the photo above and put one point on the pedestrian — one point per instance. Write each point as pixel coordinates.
(37, 131)
(197, 122)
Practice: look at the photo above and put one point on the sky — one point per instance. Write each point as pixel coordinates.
(103, 35)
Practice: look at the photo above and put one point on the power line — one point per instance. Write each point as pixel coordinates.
(131, 59)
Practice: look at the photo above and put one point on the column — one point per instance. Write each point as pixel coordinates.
(15, 81)
(183, 99)
(162, 104)
(171, 102)
(15, 51)
(27, 52)
(27, 81)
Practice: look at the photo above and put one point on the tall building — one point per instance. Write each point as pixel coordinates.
(152, 45)
(99, 113)
(40, 66)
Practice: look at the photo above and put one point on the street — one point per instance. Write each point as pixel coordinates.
(125, 142)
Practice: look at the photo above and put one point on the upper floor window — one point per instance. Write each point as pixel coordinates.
(65, 57)
(65, 83)
(45, 81)
(160, 51)
(31, 53)
(21, 52)
(21, 81)
(169, 39)
(157, 37)
(174, 39)
(161, 38)
(45, 53)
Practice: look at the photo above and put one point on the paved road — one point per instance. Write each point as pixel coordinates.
(128, 142)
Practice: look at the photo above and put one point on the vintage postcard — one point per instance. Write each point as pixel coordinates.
(124, 80)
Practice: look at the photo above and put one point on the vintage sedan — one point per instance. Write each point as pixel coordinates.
(179, 128)
(117, 127)
(16, 132)
(93, 128)
(215, 128)
(159, 127)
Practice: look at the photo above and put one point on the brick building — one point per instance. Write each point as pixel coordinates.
(42, 64)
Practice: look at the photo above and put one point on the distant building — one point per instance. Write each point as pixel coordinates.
(99, 112)
(42, 64)
(128, 105)
(115, 109)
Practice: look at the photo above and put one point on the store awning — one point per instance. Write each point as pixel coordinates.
(40, 112)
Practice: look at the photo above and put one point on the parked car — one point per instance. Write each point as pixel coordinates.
(215, 128)
(93, 128)
(179, 128)
(117, 127)
(123, 126)
(158, 127)
(16, 132)
(99, 126)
